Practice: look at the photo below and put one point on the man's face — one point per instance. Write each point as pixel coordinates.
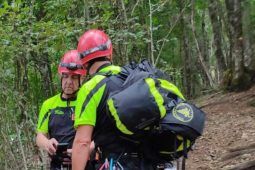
(70, 83)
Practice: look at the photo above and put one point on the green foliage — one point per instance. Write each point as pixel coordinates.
(34, 35)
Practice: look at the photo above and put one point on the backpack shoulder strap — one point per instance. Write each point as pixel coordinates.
(117, 79)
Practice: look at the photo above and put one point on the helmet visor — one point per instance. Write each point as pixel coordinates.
(102, 47)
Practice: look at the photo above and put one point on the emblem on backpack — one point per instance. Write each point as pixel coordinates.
(183, 112)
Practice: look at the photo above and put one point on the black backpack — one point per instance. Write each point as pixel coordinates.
(148, 109)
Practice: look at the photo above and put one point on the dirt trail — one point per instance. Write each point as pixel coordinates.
(230, 124)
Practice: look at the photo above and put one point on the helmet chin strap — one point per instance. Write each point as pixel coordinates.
(89, 66)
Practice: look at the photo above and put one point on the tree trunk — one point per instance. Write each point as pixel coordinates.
(201, 59)
(21, 86)
(47, 76)
(217, 31)
(86, 13)
(25, 86)
(249, 41)
(184, 50)
(125, 27)
(43, 66)
(239, 79)
(204, 41)
(151, 35)
(204, 49)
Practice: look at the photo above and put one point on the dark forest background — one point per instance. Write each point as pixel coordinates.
(204, 45)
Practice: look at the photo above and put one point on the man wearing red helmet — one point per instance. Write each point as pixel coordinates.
(91, 118)
(56, 117)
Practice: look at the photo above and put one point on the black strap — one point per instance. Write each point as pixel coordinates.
(91, 93)
(183, 163)
(104, 65)
(44, 118)
(114, 78)
(175, 146)
(185, 152)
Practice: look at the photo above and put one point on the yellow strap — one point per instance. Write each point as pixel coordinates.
(157, 96)
(119, 124)
(171, 87)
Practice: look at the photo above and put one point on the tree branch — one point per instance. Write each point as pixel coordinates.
(198, 49)
(151, 34)
(137, 2)
(169, 32)
(21, 146)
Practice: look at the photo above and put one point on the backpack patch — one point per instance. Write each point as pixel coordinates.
(183, 112)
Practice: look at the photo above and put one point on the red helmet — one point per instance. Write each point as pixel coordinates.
(70, 63)
(94, 44)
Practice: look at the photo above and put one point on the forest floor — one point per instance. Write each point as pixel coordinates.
(228, 141)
